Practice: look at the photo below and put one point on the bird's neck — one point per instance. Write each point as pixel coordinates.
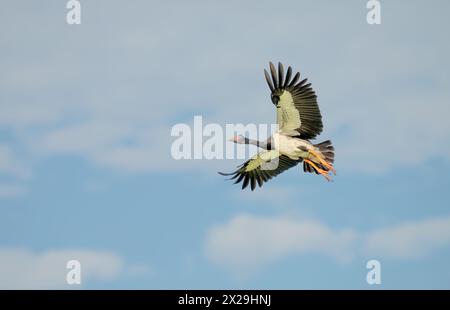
(260, 144)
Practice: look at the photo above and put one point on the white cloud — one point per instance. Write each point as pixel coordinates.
(120, 145)
(410, 240)
(21, 268)
(248, 242)
(85, 138)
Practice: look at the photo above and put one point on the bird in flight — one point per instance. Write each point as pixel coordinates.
(299, 121)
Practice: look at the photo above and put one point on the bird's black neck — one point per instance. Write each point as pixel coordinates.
(267, 145)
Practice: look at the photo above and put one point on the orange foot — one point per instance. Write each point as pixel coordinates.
(323, 162)
(324, 173)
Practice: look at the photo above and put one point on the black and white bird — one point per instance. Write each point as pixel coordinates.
(299, 121)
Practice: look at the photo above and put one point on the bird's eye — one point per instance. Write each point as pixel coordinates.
(275, 99)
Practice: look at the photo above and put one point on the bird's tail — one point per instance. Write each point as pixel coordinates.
(326, 149)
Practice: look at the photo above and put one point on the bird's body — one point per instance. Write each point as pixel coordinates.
(299, 120)
(294, 148)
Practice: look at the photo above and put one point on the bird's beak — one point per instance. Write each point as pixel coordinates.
(232, 139)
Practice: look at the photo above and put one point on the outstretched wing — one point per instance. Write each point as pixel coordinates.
(261, 168)
(296, 102)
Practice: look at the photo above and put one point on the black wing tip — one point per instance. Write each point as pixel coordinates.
(225, 174)
(280, 79)
(268, 80)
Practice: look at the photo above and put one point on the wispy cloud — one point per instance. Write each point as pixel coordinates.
(22, 268)
(248, 242)
(409, 240)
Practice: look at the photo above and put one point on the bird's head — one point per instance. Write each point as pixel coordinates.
(276, 96)
(238, 139)
(275, 99)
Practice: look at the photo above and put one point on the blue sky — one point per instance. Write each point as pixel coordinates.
(86, 171)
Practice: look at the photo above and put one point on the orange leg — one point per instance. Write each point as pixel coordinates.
(322, 161)
(324, 173)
